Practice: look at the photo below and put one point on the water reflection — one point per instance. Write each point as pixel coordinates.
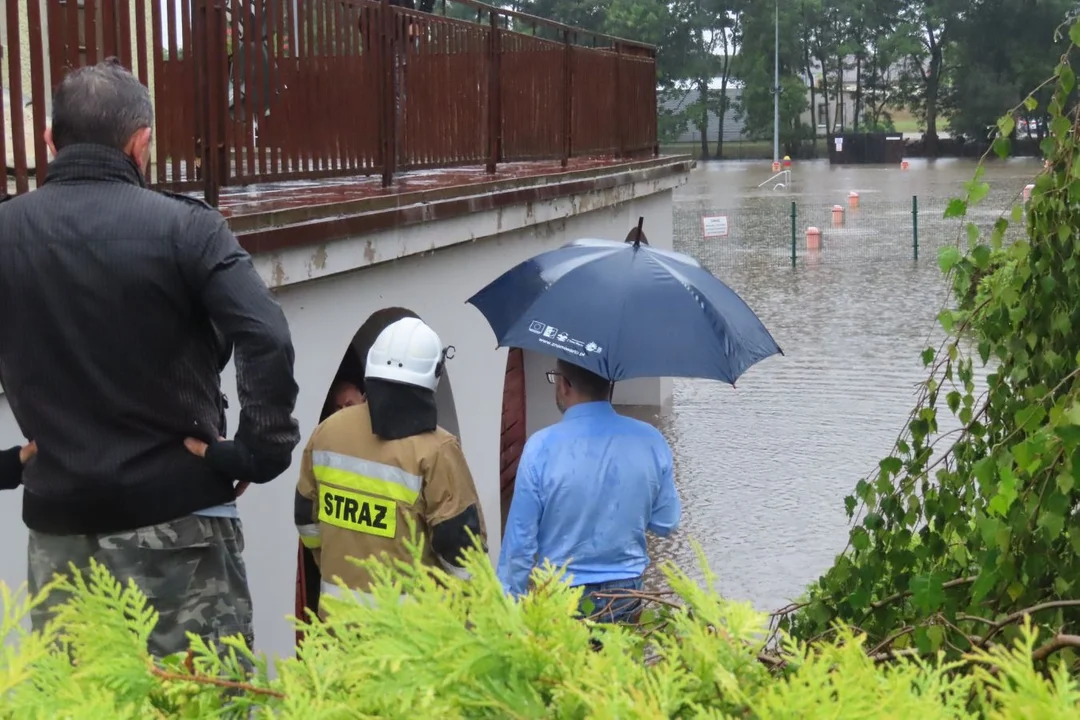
(763, 469)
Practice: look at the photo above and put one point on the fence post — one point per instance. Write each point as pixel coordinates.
(915, 226)
(209, 41)
(794, 233)
(568, 99)
(389, 91)
(494, 92)
(620, 105)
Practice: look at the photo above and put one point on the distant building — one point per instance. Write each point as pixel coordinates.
(676, 101)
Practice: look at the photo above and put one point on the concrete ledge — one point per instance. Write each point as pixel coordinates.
(320, 224)
(342, 245)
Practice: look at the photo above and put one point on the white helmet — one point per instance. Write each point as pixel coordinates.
(407, 352)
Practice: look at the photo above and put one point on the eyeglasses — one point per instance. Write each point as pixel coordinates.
(551, 375)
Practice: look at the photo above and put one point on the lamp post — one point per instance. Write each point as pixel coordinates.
(776, 87)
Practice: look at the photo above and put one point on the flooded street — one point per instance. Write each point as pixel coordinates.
(763, 469)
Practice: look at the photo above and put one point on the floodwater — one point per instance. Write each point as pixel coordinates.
(763, 469)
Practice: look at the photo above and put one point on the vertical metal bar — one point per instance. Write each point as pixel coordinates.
(253, 58)
(208, 47)
(73, 45)
(109, 46)
(260, 80)
(193, 100)
(234, 135)
(15, 95)
(794, 233)
(163, 93)
(652, 94)
(57, 39)
(388, 128)
(620, 105)
(175, 146)
(915, 227)
(304, 154)
(274, 54)
(123, 18)
(494, 93)
(568, 99)
(90, 31)
(140, 43)
(37, 88)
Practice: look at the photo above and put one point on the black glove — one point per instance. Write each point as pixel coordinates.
(232, 459)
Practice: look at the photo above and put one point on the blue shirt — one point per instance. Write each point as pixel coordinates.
(587, 489)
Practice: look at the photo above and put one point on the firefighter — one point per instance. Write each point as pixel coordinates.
(370, 466)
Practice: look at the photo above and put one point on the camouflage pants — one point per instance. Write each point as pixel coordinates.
(190, 570)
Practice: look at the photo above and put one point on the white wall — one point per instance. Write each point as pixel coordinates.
(325, 313)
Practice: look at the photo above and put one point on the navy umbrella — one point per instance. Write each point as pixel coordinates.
(624, 311)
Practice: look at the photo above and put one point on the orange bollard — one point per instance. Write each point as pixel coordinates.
(1027, 192)
(813, 238)
(853, 199)
(838, 215)
(903, 164)
(776, 167)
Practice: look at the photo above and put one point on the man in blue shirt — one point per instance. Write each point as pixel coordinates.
(587, 489)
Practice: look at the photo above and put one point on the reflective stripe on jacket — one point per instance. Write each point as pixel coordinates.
(357, 492)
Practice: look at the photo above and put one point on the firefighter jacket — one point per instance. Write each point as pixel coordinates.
(357, 490)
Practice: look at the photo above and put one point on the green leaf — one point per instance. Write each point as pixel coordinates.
(927, 592)
(956, 208)
(972, 231)
(1030, 103)
(1006, 494)
(860, 540)
(1068, 79)
(980, 254)
(948, 257)
(1074, 33)
(928, 356)
(891, 465)
(1030, 418)
(983, 585)
(1006, 125)
(947, 319)
(1002, 147)
(984, 471)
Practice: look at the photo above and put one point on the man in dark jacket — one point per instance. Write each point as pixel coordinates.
(117, 307)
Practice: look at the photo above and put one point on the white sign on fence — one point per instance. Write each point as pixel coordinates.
(714, 226)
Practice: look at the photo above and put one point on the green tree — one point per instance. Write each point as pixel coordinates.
(755, 68)
(1002, 51)
(930, 27)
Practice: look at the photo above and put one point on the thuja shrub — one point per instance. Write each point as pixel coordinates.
(457, 649)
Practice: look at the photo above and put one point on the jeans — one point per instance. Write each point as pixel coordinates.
(611, 610)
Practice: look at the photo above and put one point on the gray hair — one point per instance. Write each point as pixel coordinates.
(101, 104)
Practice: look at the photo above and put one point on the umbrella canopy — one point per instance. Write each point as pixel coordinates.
(624, 311)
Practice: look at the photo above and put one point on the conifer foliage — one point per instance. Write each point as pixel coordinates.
(458, 649)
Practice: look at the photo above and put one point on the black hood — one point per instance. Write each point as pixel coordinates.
(400, 411)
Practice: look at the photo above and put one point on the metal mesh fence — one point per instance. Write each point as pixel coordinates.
(785, 232)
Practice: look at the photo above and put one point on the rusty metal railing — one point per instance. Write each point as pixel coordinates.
(255, 91)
